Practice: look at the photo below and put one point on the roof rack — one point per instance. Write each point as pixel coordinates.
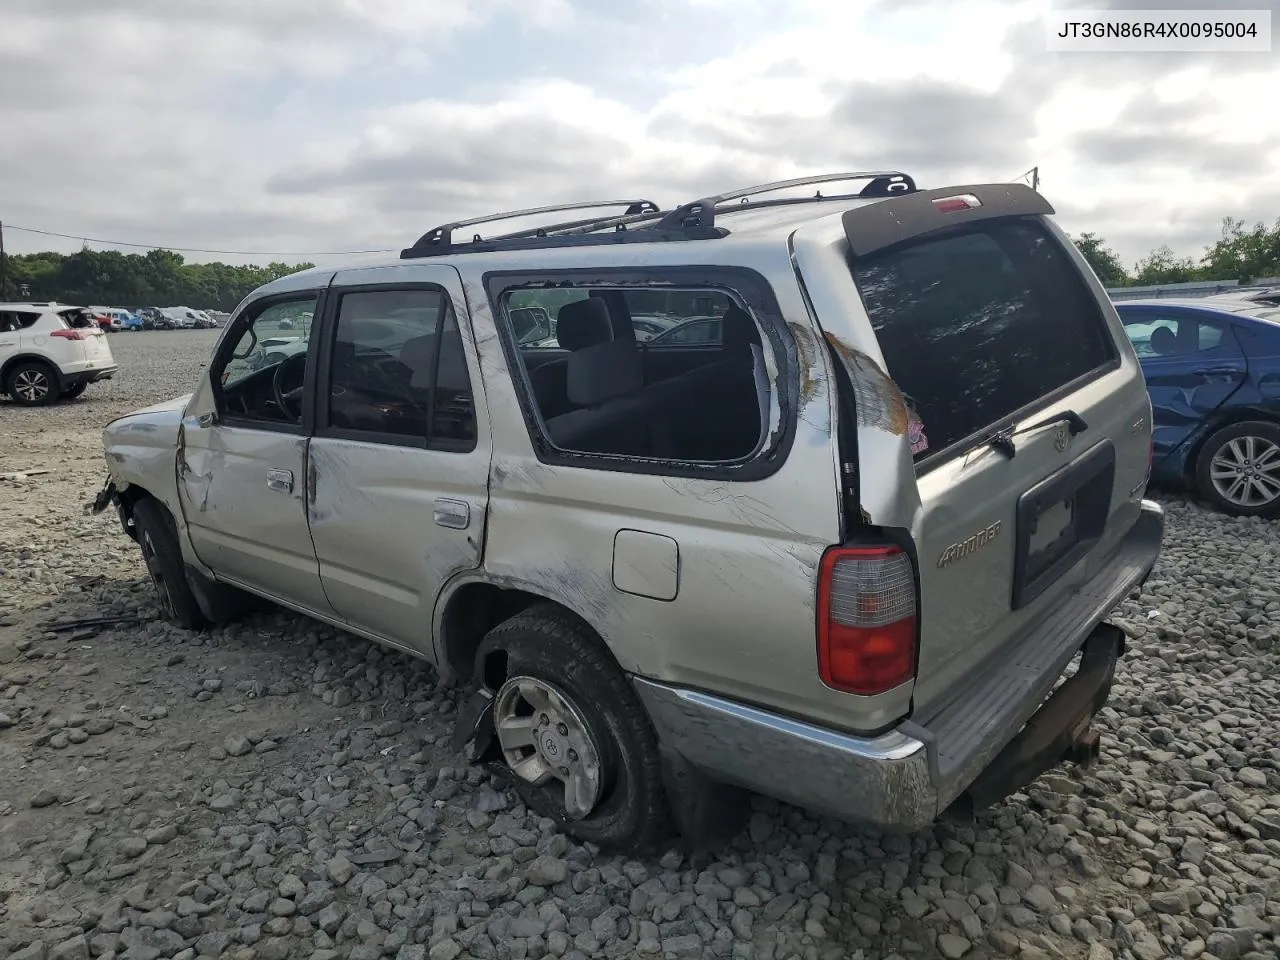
(702, 213)
(439, 240)
(692, 221)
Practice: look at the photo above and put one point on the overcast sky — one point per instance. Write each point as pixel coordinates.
(318, 125)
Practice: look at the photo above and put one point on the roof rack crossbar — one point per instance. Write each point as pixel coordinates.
(442, 236)
(702, 213)
(590, 225)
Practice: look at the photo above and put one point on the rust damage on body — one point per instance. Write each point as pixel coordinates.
(878, 401)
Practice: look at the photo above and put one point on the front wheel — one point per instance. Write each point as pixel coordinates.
(1238, 469)
(573, 735)
(163, 557)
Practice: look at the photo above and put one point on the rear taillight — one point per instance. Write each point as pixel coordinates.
(69, 334)
(867, 637)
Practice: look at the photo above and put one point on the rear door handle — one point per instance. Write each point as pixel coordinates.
(1218, 371)
(281, 480)
(453, 514)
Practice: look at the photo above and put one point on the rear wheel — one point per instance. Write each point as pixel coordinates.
(1238, 469)
(163, 557)
(73, 391)
(32, 383)
(572, 733)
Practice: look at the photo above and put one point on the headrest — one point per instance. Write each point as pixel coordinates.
(1164, 341)
(604, 371)
(738, 331)
(418, 352)
(583, 323)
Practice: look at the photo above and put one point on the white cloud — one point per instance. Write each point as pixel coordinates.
(344, 124)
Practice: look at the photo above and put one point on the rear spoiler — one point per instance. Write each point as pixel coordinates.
(895, 219)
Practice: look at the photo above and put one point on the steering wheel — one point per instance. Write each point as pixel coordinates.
(285, 397)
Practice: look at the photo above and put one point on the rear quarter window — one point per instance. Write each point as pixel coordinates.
(978, 325)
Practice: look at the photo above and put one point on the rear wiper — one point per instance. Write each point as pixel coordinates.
(1003, 440)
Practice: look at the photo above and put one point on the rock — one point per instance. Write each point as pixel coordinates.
(341, 870)
(1167, 901)
(1252, 777)
(1018, 877)
(43, 798)
(688, 945)
(6, 721)
(1040, 899)
(1223, 945)
(546, 871)
(161, 835)
(953, 947)
(445, 950)
(236, 745)
(131, 847)
(77, 948)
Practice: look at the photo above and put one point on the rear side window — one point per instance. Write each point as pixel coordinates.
(978, 325)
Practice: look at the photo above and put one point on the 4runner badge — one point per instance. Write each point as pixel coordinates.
(970, 544)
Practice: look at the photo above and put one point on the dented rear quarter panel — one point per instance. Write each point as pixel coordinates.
(743, 622)
(964, 613)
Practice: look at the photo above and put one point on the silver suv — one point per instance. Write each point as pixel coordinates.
(840, 548)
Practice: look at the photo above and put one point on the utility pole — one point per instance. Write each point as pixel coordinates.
(1035, 178)
(4, 267)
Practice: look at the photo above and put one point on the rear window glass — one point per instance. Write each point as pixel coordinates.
(975, 326)
(76, 319)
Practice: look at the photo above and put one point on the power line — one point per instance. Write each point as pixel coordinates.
(226, 253)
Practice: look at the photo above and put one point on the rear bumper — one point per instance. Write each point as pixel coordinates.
(73, 377)
(997, 737)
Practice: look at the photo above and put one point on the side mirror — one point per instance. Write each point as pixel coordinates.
(531, 324)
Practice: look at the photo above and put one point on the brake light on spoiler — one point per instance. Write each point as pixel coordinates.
(965, 201)
(867, 622)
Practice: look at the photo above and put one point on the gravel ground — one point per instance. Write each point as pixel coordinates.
(277, 789)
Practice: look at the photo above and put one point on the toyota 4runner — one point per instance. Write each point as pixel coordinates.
(840, 545)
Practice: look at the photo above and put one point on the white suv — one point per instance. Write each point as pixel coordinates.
(50, 350)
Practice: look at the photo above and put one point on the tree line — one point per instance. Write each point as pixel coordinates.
(162, 278)
(157, 278)
(1242, 253)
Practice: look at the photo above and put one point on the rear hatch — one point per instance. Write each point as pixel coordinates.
(1016, 454)
(93, 339)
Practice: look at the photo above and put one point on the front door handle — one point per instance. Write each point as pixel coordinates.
(281, 480)
(453, 514)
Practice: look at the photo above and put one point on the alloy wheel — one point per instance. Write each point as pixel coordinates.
(1246, 471)
(545, 740)
(31, 385)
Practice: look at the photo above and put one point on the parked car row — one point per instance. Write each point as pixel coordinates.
(113, 319)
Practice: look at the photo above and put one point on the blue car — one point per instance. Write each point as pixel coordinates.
(1213, 372)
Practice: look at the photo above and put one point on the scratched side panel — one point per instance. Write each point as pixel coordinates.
(743, 621)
